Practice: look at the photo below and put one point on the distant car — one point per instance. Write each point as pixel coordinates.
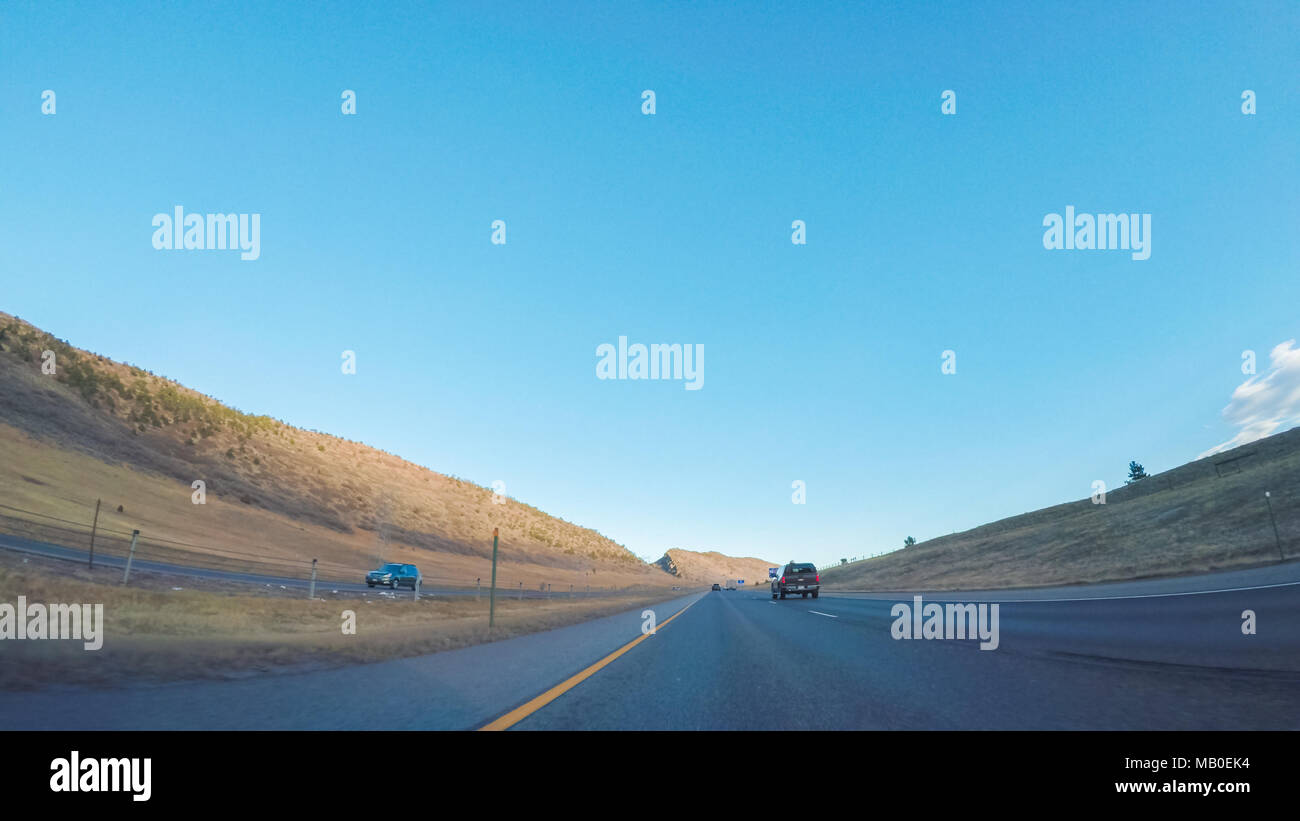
(717, 586)
(394, 576)
(797, 578)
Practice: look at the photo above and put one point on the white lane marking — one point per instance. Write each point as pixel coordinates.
(877, 597)
(819, 613)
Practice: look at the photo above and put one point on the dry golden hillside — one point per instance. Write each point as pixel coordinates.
(97, 428)
(1206, 515)
(710, 567)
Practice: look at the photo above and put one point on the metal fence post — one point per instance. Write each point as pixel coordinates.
(492, 591)
(1276, 537)
(311, 593)
(135, 537)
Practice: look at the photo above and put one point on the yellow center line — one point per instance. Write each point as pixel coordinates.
(518, 714)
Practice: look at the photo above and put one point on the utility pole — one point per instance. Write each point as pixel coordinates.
(1271, 518)
(94, 527)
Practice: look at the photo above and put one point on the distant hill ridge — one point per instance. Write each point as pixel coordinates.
(711, 566)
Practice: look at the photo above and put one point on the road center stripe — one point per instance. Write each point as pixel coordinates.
(518, 714)
(819, 613)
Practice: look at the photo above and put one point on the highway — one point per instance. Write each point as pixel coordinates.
(431, 587)
(1163, 654)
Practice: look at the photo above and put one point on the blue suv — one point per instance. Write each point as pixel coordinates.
(394, 576)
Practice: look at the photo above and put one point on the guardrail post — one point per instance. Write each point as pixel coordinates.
(521, 591)
(311, 592)
(418, 582)
(135, 537)
(478, 589)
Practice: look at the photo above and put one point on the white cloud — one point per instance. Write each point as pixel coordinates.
(1264, 403)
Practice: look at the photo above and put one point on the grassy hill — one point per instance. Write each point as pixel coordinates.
(97, 428)
(1206, 515)
(710, 567)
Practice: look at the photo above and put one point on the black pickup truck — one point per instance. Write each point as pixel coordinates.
(797, 578)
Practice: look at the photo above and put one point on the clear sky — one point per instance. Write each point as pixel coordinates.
(823, 361)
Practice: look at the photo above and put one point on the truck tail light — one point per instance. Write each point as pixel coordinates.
(783, 580)
(819, 578)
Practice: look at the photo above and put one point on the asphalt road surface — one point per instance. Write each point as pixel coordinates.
(1167, 654)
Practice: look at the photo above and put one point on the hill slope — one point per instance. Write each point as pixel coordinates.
(710, 567)
(98, 428)
(1205, 515)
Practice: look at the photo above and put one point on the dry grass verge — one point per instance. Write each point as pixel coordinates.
(213, 629)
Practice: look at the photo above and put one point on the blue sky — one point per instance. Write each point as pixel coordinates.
(924, 234)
